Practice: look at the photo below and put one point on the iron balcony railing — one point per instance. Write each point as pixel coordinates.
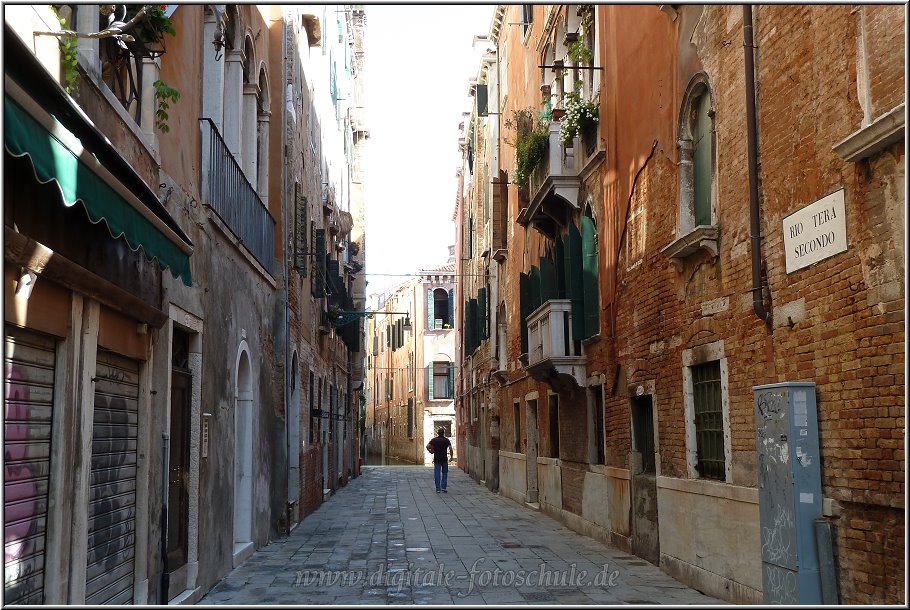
(227, 191)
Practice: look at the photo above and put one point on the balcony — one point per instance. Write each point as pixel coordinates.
(552, 354)
(553, 186)
(226, 190)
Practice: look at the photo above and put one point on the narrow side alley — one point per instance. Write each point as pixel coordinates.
(387, 537)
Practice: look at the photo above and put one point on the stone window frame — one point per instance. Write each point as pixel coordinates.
(689, 237)
(692, 357)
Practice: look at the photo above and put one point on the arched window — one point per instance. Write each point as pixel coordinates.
(696, 155)
(440, 308)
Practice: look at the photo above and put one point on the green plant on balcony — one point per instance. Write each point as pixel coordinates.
(531, 141)
(580, 114)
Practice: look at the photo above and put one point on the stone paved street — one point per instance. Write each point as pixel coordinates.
(388, 537)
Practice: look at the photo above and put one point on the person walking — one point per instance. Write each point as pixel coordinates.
(438, 446)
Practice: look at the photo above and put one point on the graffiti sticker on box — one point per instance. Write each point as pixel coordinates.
(816, 232)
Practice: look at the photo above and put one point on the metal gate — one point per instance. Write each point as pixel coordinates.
(112, 498)
(29, 383)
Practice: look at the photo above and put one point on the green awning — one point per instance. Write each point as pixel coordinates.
(53, 157)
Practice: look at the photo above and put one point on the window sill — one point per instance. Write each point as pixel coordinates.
(702, 237)
(871, 139)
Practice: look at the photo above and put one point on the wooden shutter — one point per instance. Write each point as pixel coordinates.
(301, 226)
(535, 290)
(429, 381)
(481, 97)
(524, 295)
(112, 499)
(590, 276)
(451, 318)
(702, 159)
(451, 380)
(574, 285)
(547, 280)
(30, 359)
(319, 266)
(481, 314)
(431, 309)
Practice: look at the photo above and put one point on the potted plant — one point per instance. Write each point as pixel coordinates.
(581, 114)
(532, 139)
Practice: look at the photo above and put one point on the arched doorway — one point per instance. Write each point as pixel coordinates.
(243, 453)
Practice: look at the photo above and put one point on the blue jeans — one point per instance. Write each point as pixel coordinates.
(441, 468)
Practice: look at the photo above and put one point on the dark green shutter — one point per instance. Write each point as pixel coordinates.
(524, 296)
(590, 276)
(451, 320)
(481, 314)
(481, 94)
(301, 226)
(702, 160)
(431, 307)
(451, 380)
(319, 267)
(560, 270)
(547, 280)
(574, 275)
(428, 372)
(535, 290)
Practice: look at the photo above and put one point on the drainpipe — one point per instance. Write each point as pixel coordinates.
(284, 249)
(752, 132)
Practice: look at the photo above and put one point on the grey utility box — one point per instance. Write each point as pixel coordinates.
(789, 491)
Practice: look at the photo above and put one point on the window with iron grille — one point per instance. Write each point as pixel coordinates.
(599, 456)
(709, 420)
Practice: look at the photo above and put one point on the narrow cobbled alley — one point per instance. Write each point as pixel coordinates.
(388, 537)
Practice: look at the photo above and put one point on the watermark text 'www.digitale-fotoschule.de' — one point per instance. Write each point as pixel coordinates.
(477, 576)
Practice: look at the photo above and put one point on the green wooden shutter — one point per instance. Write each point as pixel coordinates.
(560, 270)
(524, 296)
(590, 276)
(574, 275)
(547, 280)
(535, 290)
(431, 309)
(429, 384)
(301, 226)
(702, 160)
(451, 320)
(451, 380)
(319, 267)
(481, 314)
(481, 96)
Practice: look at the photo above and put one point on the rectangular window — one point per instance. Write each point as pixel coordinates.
(702, 159)
(599, 454)
(312, 406)
(527, 17)
(709, 420)
(410, 417)
(643, 431)
(441, 389)
(553, 404)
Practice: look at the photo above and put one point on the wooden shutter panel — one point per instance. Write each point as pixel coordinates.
(702, 160)
(429, 381)
(547, 280)
(524, 295)
(574, 275)
(535, 290)
(481, 96)
(451, 319)
(319, 267)
(451, 380)
(431, 306)
(590, 277)
(301, 226)
(481, 314)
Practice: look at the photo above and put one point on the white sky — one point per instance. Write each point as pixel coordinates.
(418, 60)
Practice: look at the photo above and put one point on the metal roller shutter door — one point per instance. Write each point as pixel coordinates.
(112, 497)
(29, 360)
